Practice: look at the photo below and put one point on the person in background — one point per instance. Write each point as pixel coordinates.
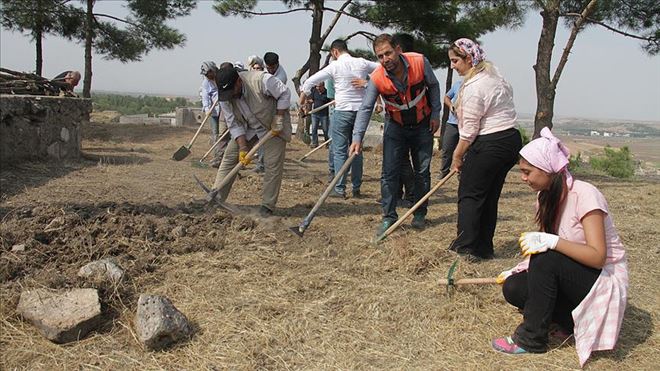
(450, 136)
(487, 148)
(254, 103)
(209, 95)
(71, 78)
(348, 99)
(255, 63)
(320, 118)
(575, 274)
(273, 66)
(411, 97)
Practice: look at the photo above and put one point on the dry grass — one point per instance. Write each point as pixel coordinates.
(261, 298)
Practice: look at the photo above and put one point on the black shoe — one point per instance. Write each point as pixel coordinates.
(335, 194)
(259, 170)
(356, 193)
(418, 222)
(265, 212)
(215, 164)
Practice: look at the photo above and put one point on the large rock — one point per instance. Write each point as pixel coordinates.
(104, 269)
(61, 316)
(159, 324)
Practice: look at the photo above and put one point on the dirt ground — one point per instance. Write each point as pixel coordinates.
(262, 298)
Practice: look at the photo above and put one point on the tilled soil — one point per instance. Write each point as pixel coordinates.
(259, 296)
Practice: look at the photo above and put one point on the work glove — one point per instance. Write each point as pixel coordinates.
(243, 158)
(503, 276)
(537, 242)
(277, 125)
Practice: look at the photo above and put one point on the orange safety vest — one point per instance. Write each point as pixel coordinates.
(407, 108)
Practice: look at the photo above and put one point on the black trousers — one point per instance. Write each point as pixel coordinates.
(548, 292)
(406, 179)
(486, 163)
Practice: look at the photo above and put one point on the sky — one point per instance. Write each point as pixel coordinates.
(607, 76)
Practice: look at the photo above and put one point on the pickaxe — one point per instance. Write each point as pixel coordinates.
(451, 283)
(210, 194)
(224, 205)
(300, 229)
(415, 207)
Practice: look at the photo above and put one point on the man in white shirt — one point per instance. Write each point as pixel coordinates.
(254, 103)
(348, 98)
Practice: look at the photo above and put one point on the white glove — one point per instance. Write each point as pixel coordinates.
(277, 125)
(537, 242)
(503, 276)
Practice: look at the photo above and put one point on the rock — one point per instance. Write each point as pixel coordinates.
(19, 247)
(179, 231)
(159, 324)
(61, 316)
(104, 269)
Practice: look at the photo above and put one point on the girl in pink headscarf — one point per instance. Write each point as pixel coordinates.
(575, 274)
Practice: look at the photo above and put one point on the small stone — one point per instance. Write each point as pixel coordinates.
(61, 316)
(179, 231)
(159, 324)
(64, 135)
(18, 247)
(104, 269)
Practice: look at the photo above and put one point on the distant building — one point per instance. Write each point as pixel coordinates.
(607, 134)
(594, 133)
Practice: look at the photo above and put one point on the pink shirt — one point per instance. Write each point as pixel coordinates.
(486, 106)
(599, 316)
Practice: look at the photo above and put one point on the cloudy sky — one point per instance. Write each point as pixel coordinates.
(607, 75)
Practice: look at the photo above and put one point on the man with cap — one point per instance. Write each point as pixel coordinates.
(411, 94)
(209, 94)
(254, 103)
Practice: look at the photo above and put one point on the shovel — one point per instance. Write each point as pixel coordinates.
(210, 196)
(214, 145)
(184, 151)
(415, 207)
(300, 229)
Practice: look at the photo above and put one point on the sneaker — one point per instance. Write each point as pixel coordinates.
(259, 170)
(335, 194)
(506, 345)
(383, 226)
(265, 212)
(331, 177)
(356, 193)
(418, 222)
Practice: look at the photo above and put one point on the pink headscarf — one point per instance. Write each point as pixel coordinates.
(472, 49)
(548, 154)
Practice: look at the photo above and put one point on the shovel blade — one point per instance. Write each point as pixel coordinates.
(181, 153)
(296, 230)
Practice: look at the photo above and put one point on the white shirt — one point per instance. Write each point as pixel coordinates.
(344, 70)
(280, 74)
(486, 106)
(209, 94)
(272, 87)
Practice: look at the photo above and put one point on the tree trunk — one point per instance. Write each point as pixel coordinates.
(314, 61)
(545, 92)
(89, 38)
(38, 36)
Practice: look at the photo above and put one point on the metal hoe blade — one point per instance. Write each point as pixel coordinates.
(181, 153)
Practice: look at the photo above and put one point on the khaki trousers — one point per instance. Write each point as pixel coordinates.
(274, 150)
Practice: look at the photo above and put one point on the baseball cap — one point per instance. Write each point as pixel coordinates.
(226, 79)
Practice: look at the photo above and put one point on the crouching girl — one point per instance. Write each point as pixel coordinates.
(575, 274)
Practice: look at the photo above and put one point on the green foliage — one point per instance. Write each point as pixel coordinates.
(616, 163)
(575, 162)
(131, 105)
(523, 135)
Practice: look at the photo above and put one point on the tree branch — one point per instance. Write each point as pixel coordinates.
(615, 30)
(571, 40)
(249, 12)
(334, 20)
(367, 35)
(116, 19)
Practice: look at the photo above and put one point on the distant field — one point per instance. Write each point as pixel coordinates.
(644, 149)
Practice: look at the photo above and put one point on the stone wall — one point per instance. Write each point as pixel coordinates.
(39, 127)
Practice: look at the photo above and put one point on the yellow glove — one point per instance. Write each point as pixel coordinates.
(503, 276)
(243, 158)
(277, 125)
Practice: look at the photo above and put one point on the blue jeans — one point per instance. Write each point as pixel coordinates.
(331, 159)
(398, 141)
(342, 136)
(322, 121)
